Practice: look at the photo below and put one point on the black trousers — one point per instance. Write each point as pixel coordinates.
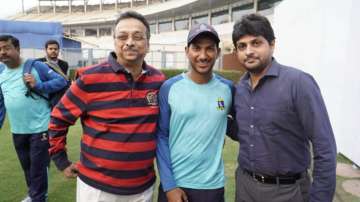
(197, 195)
(32, 151)
(250, 190)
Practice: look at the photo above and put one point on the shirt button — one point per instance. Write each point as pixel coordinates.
(251, 126)
(251, 107)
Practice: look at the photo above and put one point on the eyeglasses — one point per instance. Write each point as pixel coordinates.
(136, 36)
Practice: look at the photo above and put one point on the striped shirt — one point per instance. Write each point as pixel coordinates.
(119, 117)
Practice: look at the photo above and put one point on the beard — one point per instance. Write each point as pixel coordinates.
(6, 60)
(52, 56)
(258, 66)
(10, 62)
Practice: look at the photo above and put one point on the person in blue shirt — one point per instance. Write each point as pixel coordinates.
(279, 113)
(28, 114)
(192, 125)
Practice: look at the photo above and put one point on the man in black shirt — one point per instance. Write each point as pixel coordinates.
(52, 60)
(59, 66)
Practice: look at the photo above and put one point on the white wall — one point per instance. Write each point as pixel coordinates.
(322, 37)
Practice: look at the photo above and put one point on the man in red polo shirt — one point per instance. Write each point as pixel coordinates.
(117, 103)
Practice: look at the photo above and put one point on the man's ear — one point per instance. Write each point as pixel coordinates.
(272, 46)
(148, 47)
(234, 50)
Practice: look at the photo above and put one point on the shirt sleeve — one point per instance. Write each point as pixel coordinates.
(2, 109)
(314, 118)
(71, 106)
(163, 151)
(2, 104)
(65, 68)
(51, 81)
(232, 128)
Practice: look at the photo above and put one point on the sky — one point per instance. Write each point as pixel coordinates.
(14, 6)
(11, 7)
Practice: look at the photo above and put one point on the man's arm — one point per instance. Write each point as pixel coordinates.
(173, 193)
(163, 151)
(70, 107)
(2, 109)
(232, 128)
(2, 105)
(65, 67)
(314, 118)
(51, 81)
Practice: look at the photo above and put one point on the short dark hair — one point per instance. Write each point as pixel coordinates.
(51, 42)
(135, 15)
(255, 25)
(14, 41)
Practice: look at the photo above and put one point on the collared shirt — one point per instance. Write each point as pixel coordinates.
(119, 117)
(61, 63)
(277, 120)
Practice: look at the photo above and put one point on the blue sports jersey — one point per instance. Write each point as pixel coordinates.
(27, 115)
(191, 130)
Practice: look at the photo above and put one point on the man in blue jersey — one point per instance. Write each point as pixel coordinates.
(28, 114)
(192, 125)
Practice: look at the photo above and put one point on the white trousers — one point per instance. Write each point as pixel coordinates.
(86, 193)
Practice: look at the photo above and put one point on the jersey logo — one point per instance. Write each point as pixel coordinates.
(220, 104)
(151, 98)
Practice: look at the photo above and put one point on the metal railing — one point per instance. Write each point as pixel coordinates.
(161, 59)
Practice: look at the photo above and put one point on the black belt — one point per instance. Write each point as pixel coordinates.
(266, 179)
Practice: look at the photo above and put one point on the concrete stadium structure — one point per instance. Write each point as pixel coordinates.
(91, 21)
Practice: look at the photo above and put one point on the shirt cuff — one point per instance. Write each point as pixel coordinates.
(168, 186)
(61, 160)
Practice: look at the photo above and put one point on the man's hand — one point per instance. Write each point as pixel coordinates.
(71, 171)
(176, 195)
(29, 79)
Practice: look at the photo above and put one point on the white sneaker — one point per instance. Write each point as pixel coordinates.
(26, 199)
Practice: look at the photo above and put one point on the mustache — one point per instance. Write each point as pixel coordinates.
(250, 58)
(204, 60)
(129, 48)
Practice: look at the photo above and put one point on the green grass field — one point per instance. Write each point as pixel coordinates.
(12, 182)
(13, 188)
